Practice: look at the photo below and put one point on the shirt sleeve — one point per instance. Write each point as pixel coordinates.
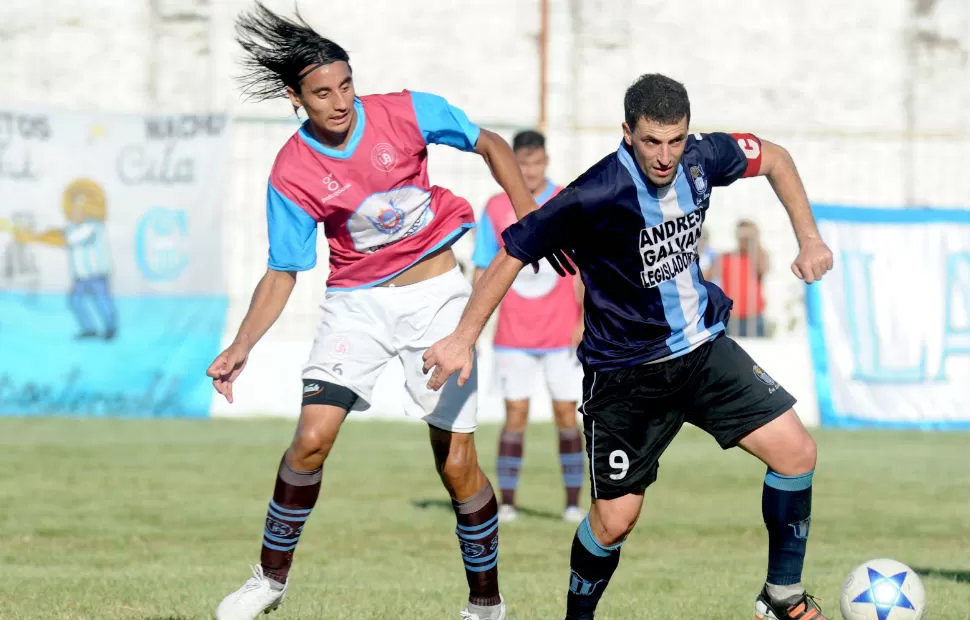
(731, 156)
(553, 227)
(442, 123)
(486, 243)
(292, 233)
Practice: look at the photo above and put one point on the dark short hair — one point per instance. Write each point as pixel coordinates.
(657, 98)
(278, 51)
(528, 139)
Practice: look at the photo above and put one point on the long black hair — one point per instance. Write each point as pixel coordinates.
(279, 51)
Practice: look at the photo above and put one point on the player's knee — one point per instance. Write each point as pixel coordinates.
(458, 465)
(516, 416)
(565, 414)
(613, 522)
(799, 457)
(807, 455)
(312, 441)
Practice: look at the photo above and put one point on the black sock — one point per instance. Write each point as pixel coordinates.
(786, 505)
(591, 566)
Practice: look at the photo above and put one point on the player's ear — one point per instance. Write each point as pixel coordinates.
(294, 97)
(627, 134)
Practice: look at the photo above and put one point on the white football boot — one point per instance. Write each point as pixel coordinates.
(259, 595)
(573, 514)
(476, 612)
(506, 513)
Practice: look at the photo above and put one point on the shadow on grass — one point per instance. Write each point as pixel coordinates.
(960, 576)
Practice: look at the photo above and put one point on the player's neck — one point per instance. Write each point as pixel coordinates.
(337, 141)
(541, 189)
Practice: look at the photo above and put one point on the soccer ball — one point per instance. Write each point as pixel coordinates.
(883, 589)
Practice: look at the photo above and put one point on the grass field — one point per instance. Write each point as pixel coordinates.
(157, 520)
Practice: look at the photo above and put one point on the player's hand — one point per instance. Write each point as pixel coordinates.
(447, 356)
(577, 336)
(814, 259)
(227, 367)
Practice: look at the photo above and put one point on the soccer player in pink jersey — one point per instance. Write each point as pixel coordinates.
(358, 166)
(539, 325)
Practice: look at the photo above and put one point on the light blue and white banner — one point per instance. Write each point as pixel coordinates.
(112, 292)
(890, 325)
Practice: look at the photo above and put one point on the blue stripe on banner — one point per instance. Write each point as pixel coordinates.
(283, 517)
(789, 483)
(477, 536)
(820, 360)
(476, 528)
(289, 511)
(270, 545)
(874, 215)
(153, 366)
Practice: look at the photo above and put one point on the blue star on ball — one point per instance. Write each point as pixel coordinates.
(885, 593)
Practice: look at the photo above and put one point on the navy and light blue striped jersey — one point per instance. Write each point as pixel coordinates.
(636, 249)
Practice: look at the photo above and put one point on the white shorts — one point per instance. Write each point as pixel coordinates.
(362, 330)
(516, 372)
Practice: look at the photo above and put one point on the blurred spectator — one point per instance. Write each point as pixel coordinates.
(741, 274)
(707, 259)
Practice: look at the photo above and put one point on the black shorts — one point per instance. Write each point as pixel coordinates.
(632, 414)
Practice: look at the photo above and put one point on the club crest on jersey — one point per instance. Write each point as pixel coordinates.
(383, 156)
(389, 220)
(698, 178)
(386, 217)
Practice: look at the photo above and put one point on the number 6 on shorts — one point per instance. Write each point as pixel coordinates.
(620, 461)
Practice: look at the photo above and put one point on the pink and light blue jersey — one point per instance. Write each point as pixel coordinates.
(540, 311)
(380, 213)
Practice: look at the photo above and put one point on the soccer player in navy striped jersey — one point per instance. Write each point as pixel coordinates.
(654, 350)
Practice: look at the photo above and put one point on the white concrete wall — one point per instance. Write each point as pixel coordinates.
(872, 97)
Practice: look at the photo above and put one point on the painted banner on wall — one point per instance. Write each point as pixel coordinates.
(890, 325)
(112, 293)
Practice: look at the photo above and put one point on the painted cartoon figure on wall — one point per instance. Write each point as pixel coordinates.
(86, 241)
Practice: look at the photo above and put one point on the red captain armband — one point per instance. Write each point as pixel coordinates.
(751, 147)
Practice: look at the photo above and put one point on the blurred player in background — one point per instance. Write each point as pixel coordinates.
(358, 166)
(654, 350)
(539, 325)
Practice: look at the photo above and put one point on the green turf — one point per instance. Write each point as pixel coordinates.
(109, 519)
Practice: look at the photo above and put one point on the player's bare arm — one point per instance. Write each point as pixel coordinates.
(814, 257)
(501, 163)
(267, 304)
(454, 352)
